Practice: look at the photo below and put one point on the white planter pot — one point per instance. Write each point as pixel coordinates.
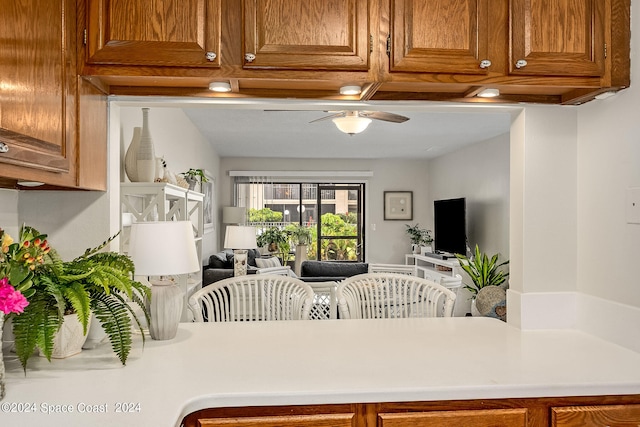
(69, 339)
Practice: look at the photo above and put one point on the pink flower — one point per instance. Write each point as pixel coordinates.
(11, 301)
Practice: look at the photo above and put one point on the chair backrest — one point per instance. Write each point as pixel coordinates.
(411, 270)
(325, 301)
(255, 297)
(388, 295)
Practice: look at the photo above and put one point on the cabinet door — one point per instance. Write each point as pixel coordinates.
(439, 36)
(310, 34)
(37, 77)
(611, 415)
(154, 32)
(316, 420)
(470, 418)
(557, 37)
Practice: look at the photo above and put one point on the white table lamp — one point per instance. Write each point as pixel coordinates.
(161, 249)
(240, 238)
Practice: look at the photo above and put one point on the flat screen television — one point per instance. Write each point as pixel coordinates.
(450, 226)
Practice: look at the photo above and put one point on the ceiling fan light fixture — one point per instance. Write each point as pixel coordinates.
(489, 93)
(220, 87)
(350, 90)
(351, 124)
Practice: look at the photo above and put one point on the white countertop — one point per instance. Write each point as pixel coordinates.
(315, 362)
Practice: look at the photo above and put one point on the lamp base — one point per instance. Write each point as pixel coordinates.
(165, 309)
(240, 262)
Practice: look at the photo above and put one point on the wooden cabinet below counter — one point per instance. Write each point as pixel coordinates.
(584, 411)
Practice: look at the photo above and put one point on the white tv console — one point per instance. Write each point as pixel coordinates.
(425, 263)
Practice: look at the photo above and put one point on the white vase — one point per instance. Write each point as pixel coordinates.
(146, 158)
(69, 339)
(131, 158)
(165, 309)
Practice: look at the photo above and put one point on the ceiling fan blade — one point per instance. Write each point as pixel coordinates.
(382, 115)
(331, 116)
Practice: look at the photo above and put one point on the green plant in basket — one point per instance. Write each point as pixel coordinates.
(484, 271)
(95, 282)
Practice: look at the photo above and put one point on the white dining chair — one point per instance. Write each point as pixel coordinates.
(409, 269)
(254, 297)
(388, 295)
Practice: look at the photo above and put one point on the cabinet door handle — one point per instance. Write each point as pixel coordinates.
(485, 63)
(210, 56)
(3, 147)
(249, 57)
(521, 63)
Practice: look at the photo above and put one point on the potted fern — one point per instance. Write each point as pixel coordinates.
(98, 283)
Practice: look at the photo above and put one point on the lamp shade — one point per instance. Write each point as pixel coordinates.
(234, 215)
(163, 248)
(240, 237)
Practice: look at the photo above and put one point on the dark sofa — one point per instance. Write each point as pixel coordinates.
(324, 271)
(221, 266)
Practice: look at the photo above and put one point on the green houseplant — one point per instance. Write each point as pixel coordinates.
(418, 236)
(276, 240)
(99, 283)
(484, 271)
(192, 176)
(300, 234)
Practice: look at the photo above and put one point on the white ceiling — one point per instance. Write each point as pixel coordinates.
(260, 128)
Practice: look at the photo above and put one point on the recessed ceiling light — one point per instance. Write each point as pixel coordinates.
(220, 86)
(489, 93)
(350, 90)
(605, 95)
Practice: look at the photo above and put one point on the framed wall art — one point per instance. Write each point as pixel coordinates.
(398, 205)
(208, 191)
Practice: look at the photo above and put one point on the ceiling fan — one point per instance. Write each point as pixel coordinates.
(352, 122)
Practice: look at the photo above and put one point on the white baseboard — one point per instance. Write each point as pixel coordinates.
(612, 321)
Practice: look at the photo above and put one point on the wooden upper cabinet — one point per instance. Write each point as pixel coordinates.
(37, 77)
(154, 32)
(557, 37)
(310, 34)
(439, 36)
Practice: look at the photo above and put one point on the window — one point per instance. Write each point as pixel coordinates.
(334, 212)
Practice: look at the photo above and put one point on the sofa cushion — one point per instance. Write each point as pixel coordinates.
(334, 269)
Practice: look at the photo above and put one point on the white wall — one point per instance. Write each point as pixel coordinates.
(175, 139)
(386, 241)
(480, 173)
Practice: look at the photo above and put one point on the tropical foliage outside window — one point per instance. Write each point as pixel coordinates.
(332, 212)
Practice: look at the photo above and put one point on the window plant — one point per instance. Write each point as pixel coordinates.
(276, 240)
(95, 282)
(300, 234)
(484, 271)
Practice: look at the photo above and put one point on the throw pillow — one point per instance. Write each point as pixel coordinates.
(218, 260)
(268, 262)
